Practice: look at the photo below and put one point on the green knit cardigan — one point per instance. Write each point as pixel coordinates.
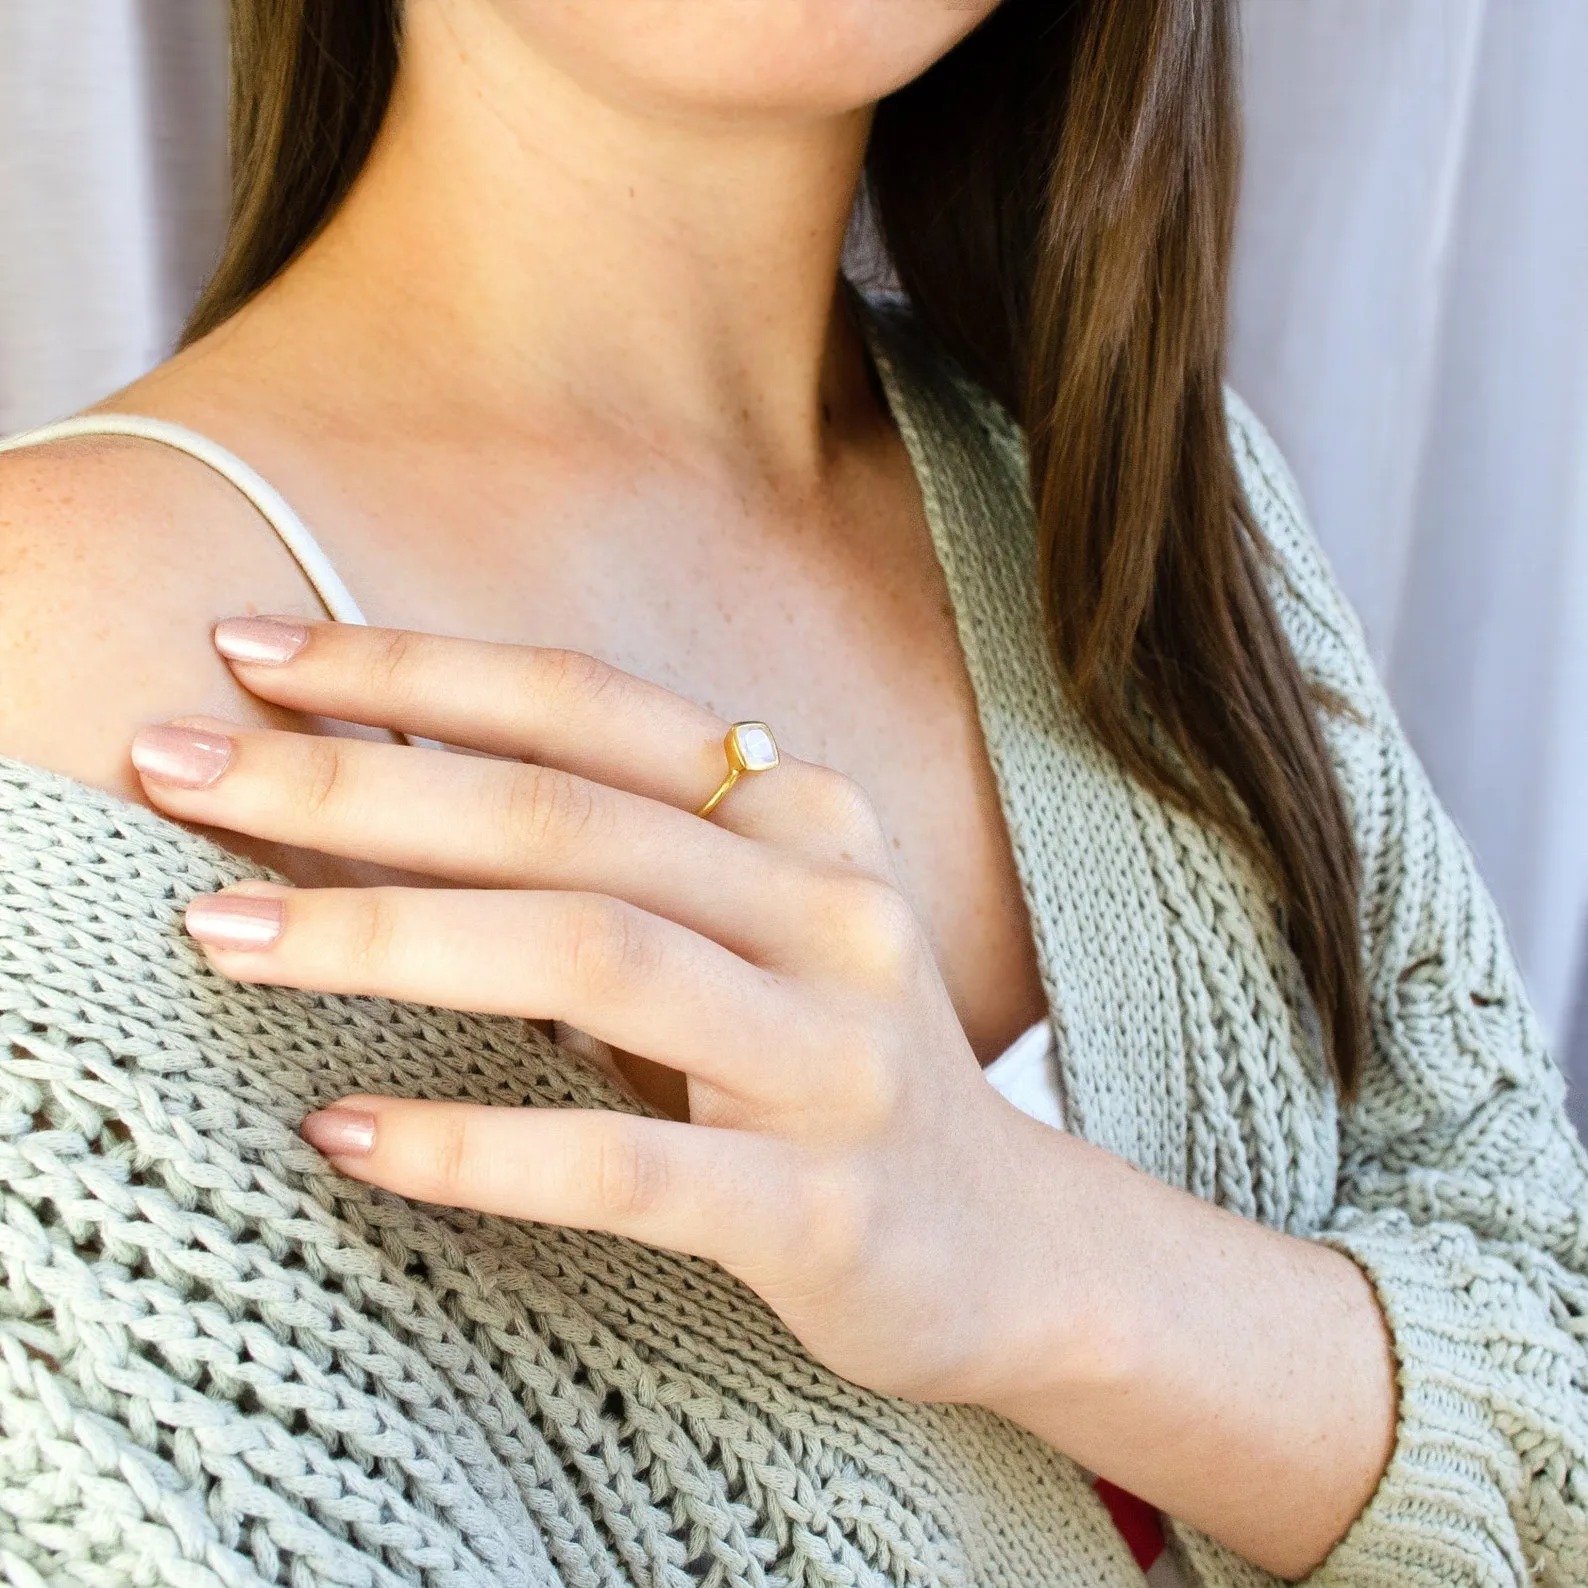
(222, 1363)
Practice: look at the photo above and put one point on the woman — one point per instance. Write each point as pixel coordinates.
(533, 311)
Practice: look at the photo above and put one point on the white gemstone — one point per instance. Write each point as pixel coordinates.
(756, 747)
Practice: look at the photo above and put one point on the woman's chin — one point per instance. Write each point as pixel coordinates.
(755, 58)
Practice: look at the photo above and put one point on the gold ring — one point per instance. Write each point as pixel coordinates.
(749, 747)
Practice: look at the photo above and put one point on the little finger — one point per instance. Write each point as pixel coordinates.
(726, 1195)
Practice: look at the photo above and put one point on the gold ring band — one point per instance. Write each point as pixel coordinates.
(749, 747)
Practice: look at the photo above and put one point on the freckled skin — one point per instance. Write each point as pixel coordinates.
(808, 597)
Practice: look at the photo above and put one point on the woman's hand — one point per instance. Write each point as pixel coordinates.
(844, 1156)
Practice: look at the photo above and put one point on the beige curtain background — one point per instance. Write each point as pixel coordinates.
(1410, 316)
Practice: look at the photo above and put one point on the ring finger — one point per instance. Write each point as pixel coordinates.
(633, 979)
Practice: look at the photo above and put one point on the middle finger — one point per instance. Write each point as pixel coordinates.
(481, 822)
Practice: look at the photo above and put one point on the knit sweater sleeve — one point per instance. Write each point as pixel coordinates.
(1463, 1189)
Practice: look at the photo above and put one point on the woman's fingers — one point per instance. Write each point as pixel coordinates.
(482, 822)
(558, 708)
(719, 1194)
(635, 980)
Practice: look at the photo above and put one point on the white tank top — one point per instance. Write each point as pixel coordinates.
(1026, 1072)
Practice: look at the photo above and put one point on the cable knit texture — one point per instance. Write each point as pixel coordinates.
(221, 1363)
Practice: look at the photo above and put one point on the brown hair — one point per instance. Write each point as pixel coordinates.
(1056, 197)
(310, 83)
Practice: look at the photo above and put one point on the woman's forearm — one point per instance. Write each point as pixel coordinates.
(1237, 1378)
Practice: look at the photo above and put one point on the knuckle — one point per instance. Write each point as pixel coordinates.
(873, 1085)
(544, 806)
(570, 678)
(393, 657)
(605, 945)
(627, 1171)
(877, 929)
(830, 1222)
(839, 805)
(326, 779)
(450, 1154)
(373, 931)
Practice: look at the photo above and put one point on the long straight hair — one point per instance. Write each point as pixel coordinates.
(1056, 197)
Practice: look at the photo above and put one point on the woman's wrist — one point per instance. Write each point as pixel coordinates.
(1236, 1377)
(1058, 1314)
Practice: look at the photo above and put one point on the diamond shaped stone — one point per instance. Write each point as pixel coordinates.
(756, 747)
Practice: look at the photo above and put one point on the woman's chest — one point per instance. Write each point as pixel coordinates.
(836, 628)
(869, 678)
(1184, 1040)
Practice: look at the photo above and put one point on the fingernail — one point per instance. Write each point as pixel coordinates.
(340, 1132)
(234, 920)
(185, 757)
(266, 642)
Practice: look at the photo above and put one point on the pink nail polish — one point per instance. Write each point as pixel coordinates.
(264, 642)
(239, 921)
(340, 1132)
(183, 757)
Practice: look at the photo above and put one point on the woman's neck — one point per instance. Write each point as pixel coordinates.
(522, 242)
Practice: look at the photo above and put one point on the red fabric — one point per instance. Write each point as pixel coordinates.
(1136, 1520)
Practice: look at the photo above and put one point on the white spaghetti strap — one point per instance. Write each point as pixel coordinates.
(272, 506)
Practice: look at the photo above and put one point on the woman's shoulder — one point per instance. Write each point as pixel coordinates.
(116, 557)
